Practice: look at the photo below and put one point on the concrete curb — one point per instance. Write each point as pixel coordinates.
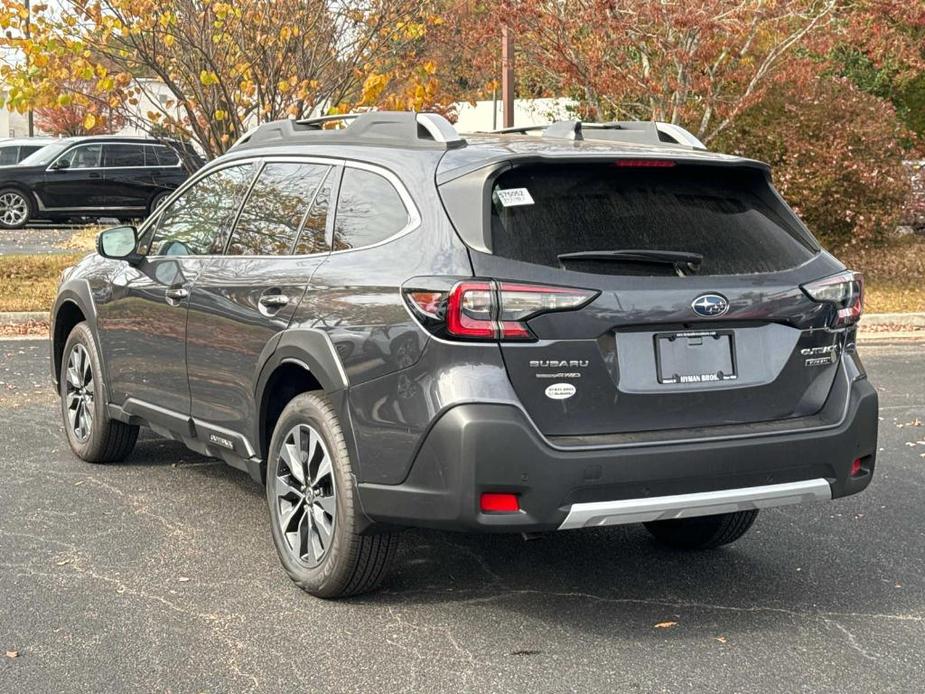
(20, 317)
(914, 320)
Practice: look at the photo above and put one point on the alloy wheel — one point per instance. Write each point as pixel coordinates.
(79, 392)
(14, 209)
(306, 501)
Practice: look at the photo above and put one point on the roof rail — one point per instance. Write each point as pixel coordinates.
(642, 132)
(386, 128)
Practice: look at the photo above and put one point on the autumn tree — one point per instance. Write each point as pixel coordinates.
(699, 63)
(72, 119)
(836, 155)
(226, 66)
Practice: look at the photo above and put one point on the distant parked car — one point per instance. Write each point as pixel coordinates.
(14, 150)
(93, 177)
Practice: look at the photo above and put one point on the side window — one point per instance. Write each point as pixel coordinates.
(196, 223)
(369, 210)
(312, 239)
(85, 157)
(26, 151)
(9, 155)
(123, 156)
(278, 202)
(160, 155)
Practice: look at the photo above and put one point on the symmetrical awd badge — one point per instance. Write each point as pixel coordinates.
(710, 305)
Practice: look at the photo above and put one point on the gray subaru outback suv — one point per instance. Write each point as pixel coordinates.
(389, 325)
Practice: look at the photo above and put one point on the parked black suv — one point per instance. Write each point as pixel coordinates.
(392, 326)
(93, 177)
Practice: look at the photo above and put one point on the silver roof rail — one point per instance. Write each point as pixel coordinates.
(385, 128)
(642, 132)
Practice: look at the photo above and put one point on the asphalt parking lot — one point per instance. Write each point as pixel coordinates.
(158, 575)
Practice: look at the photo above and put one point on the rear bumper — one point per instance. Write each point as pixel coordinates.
(475, 448)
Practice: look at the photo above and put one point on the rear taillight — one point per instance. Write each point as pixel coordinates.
(845, 291)
(491, 310)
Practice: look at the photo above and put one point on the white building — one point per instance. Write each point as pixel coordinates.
(487, 115)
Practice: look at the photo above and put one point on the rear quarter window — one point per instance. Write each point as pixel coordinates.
(369, 210)
(730, 216)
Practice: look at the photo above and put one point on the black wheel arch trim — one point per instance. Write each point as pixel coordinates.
(78, 293)
(309, 348)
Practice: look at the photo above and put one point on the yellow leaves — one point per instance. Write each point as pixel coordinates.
(220, 115)
(284, 86)
(208, 78)
(288, 32)
(89, 121)
(64, 100)
(373, 86)
(411, 30)
(169, 40)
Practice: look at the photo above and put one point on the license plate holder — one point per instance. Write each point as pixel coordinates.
(695, 356)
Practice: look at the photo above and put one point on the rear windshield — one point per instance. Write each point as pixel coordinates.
(730, 217)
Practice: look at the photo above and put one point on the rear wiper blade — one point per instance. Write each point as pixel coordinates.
(680, 260)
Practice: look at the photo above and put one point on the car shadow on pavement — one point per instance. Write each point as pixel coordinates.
(590, 579)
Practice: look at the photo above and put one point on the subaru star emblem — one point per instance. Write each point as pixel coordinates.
(710, 305)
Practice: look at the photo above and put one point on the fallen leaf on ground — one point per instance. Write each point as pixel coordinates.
(63, 562)
(183, 579)
(12, 654)
(666, 625)
(721, 639)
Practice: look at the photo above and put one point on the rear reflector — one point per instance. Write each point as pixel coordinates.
(856, 468)
(499, 503)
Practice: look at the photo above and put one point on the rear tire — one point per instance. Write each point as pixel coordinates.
(91, 433)
(157, 201)
(314, 511)
(703, 532)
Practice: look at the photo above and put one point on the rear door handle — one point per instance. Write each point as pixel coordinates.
(176, 294)
(274, 300)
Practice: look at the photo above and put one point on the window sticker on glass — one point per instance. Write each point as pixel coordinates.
(512, 197)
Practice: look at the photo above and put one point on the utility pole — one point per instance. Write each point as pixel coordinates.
(507, 76)
(28, 36)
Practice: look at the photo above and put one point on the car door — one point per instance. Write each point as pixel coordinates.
(144, 322)
(129, 182)
(245, 298)
(74, 181)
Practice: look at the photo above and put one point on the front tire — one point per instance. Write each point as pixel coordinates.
(91, 433)
(314, 511)
(15, 209)
(703, 532)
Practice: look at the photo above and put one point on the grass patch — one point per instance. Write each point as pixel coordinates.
(29, 282)
(83, 240)
(894, 274)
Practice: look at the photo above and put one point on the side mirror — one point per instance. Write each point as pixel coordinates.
(61, 164)
(119, 243)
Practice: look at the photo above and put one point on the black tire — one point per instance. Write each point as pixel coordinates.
(157, 201)
(350, 563)
(703, 532)
(7, 195)
(105, 440)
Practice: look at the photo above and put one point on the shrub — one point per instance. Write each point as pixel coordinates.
(836, 156)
